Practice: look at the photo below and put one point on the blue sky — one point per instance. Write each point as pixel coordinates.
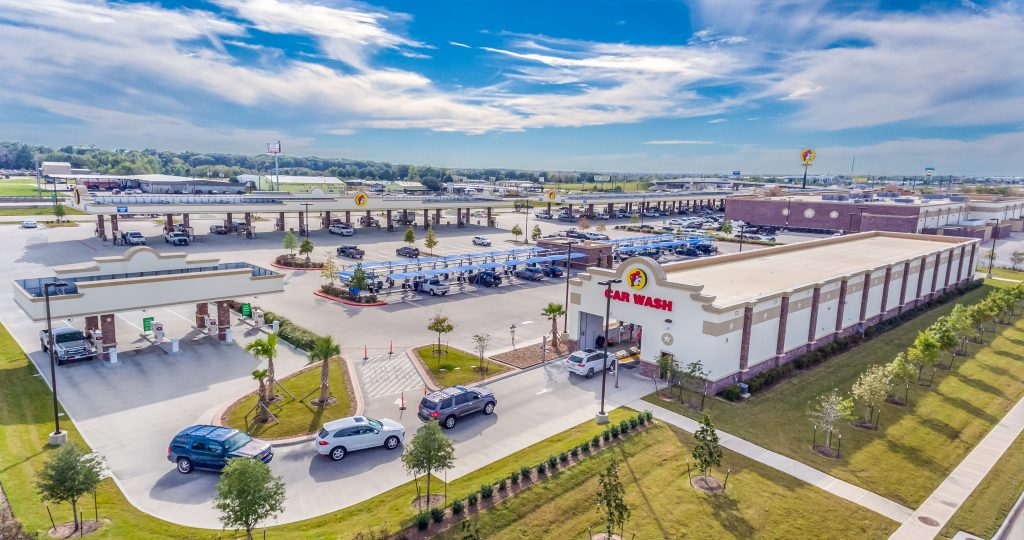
(641, 85)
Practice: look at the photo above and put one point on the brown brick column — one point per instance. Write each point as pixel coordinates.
(903, 285)
(280, 221)
(92, 322)
(100, 228)
(841, 307)
(949, 268)
(169, 223)
(184, 220)
(611, 208)
(302, 221)
(970, 269)
(920, 278)
(223, 320)
(369, 217)
(109, 331)
(748, 320)
(202, 311)
(864, 297)
(935, 275)
(248, 224)
(780, 341)
(490, 212)
(426, 218)
(113, 225)
(885, 291)
(229, 223)
(437, 216)
(348, 217)
(590, 210)
(389, 219)
(960, 265)
(813, 326)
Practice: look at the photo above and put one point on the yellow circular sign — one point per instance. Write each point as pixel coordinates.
(361, 199)
(637, 278)
(807, 156)
(551, 195)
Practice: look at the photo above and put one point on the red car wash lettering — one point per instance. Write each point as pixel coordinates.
(639, 299)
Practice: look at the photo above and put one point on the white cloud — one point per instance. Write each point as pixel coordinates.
(717, 120)
(678, 141)
(457, 44)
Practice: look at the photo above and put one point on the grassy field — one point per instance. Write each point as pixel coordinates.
(39, 212)
(917, 445)
(457, 367)
(984, 511)
(295, 417)
(9, 188)
(1004, 273)
(664, 506)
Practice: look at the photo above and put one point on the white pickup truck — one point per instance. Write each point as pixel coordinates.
(69, 345)
(433, 287)
(133, 238)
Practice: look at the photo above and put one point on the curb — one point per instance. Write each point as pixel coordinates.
(417, 362)
(354, 386)
(346, 302)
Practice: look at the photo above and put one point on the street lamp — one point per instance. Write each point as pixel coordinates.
(526, 231)
(602, 417)
(58, 437)
(568, 261)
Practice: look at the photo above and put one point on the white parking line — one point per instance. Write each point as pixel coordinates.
(383, 375)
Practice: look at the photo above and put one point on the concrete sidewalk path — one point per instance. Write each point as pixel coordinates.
(835, 486)
(936, 510)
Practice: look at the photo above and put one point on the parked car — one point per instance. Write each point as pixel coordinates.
(481, 241)
(678, 222)
(408, 251)
(688, 252)
(447, 405)
(652, 214)
(595, 236)
(706, 249)
(602, 216)
(552, 271)
(567, 217)
(531, 273)
(587, 362)
(352, 252)
(342, 229)
(210, 447)
(176, 238)
(432, 286)
(29, 224)
(369, 222)
(573, 233)
(133, 238)
(69, 345)
(339, 437)
(487, 278)
(543, 214)
(218, 229)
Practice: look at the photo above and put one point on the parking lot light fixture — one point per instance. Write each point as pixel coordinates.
(568, 268)
(57, 438)
(602, 416)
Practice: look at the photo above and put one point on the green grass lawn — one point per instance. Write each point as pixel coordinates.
(295, 417)
(456, 367)
(759, 502)
(984, 511)
(10, 188)
(1004, 273)
(918, 445)
(39, 212)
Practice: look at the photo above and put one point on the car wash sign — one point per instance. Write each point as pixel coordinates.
(637, 280)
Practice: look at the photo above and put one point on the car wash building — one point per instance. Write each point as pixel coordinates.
(743, 313)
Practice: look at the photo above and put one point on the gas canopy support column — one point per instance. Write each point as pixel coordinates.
(229, 223)
(280, 221)
(100, 229)
(184, 220)
(590, 210)
(223, 320)
(169, 225)
(748, 320)
(109, 334)
(348, 217)
(489, 219)
(202, 312)
(389, 219)
(611, 208)
(327, 220)
(113, 225)
(302, 221)
(248, 225)
(437, 216)
(92, 322)
(426, 218)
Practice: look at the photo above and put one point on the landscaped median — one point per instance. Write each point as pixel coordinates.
(916, 445)
(454, 367)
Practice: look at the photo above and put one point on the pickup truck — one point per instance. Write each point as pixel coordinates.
(133, 238)
(176, 238)
(433, 286)
(341, 228)
(352, 252)
(69, 345)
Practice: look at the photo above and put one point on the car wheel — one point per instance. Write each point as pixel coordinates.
(391, 442)
(590, 373)
(489, 408)
(337, 453)
(184, 465)
(432, 293)
(449, 422)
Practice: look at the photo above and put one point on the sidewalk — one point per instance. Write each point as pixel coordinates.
(936, 510)
(835, 486)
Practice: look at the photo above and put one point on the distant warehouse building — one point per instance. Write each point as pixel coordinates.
(269, 182)
(743, 313)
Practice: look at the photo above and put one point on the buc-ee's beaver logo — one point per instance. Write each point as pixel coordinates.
(361, 199)
(637, 278)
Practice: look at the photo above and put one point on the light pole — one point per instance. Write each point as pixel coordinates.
(57, 438)
(602, 417)
(526, 231)
(992, 254)
(568, 261)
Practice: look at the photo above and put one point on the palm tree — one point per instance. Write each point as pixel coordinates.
(324, 349)
(260, 375)
(266, 348)
(552, 312)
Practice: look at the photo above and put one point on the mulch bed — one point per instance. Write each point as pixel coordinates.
(827, 452)
(530, 355)
(707, 484)
(67, 530)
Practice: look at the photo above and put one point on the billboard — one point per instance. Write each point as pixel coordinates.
(602, 178)
(274, 147)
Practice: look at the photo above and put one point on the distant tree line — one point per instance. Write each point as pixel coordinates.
(16, 155)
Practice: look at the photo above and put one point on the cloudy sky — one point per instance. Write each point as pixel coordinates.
(642, 85)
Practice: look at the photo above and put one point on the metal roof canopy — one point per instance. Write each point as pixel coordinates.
(139, 279)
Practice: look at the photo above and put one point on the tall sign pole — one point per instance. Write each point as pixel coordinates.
(806, 157)
(928, 172)
(275, 149)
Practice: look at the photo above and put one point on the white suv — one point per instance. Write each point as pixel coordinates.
(342, 229)
(587, 362)
(481, 241)
(339, 437)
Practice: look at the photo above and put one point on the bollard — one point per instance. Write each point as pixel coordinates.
(391, 346)
(112, 352)
(175, 349)
(366, 355)
(402, 407)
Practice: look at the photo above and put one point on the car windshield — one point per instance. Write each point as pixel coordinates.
(69, 336)
(375, 423)
(236, 441)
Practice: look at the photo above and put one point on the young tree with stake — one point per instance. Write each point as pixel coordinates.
(870, 390)
(306, 249)
(945, 337)
(260, 376)
(481, 341)
(440, 324)
(707, 452)
(248, 493)
(329, 269)
(924, 352)
(68, 475)
(428, 451)
(828, 410)
(410, 236)
(693, 378)
(536, 234)
(900, 372)
(266, 348)
(611, 500)
(516, 231)
(290, 243)
(430, 242)
(960, 323)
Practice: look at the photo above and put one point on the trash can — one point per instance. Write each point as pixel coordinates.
(744, 389)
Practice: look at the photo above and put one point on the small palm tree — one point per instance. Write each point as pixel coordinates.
(552, 312)
(324, 349)
(260, 375)
(266, 348)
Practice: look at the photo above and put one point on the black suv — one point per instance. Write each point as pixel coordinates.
(486, 278)
(352, 252)
(408, 251)
(446, 405)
